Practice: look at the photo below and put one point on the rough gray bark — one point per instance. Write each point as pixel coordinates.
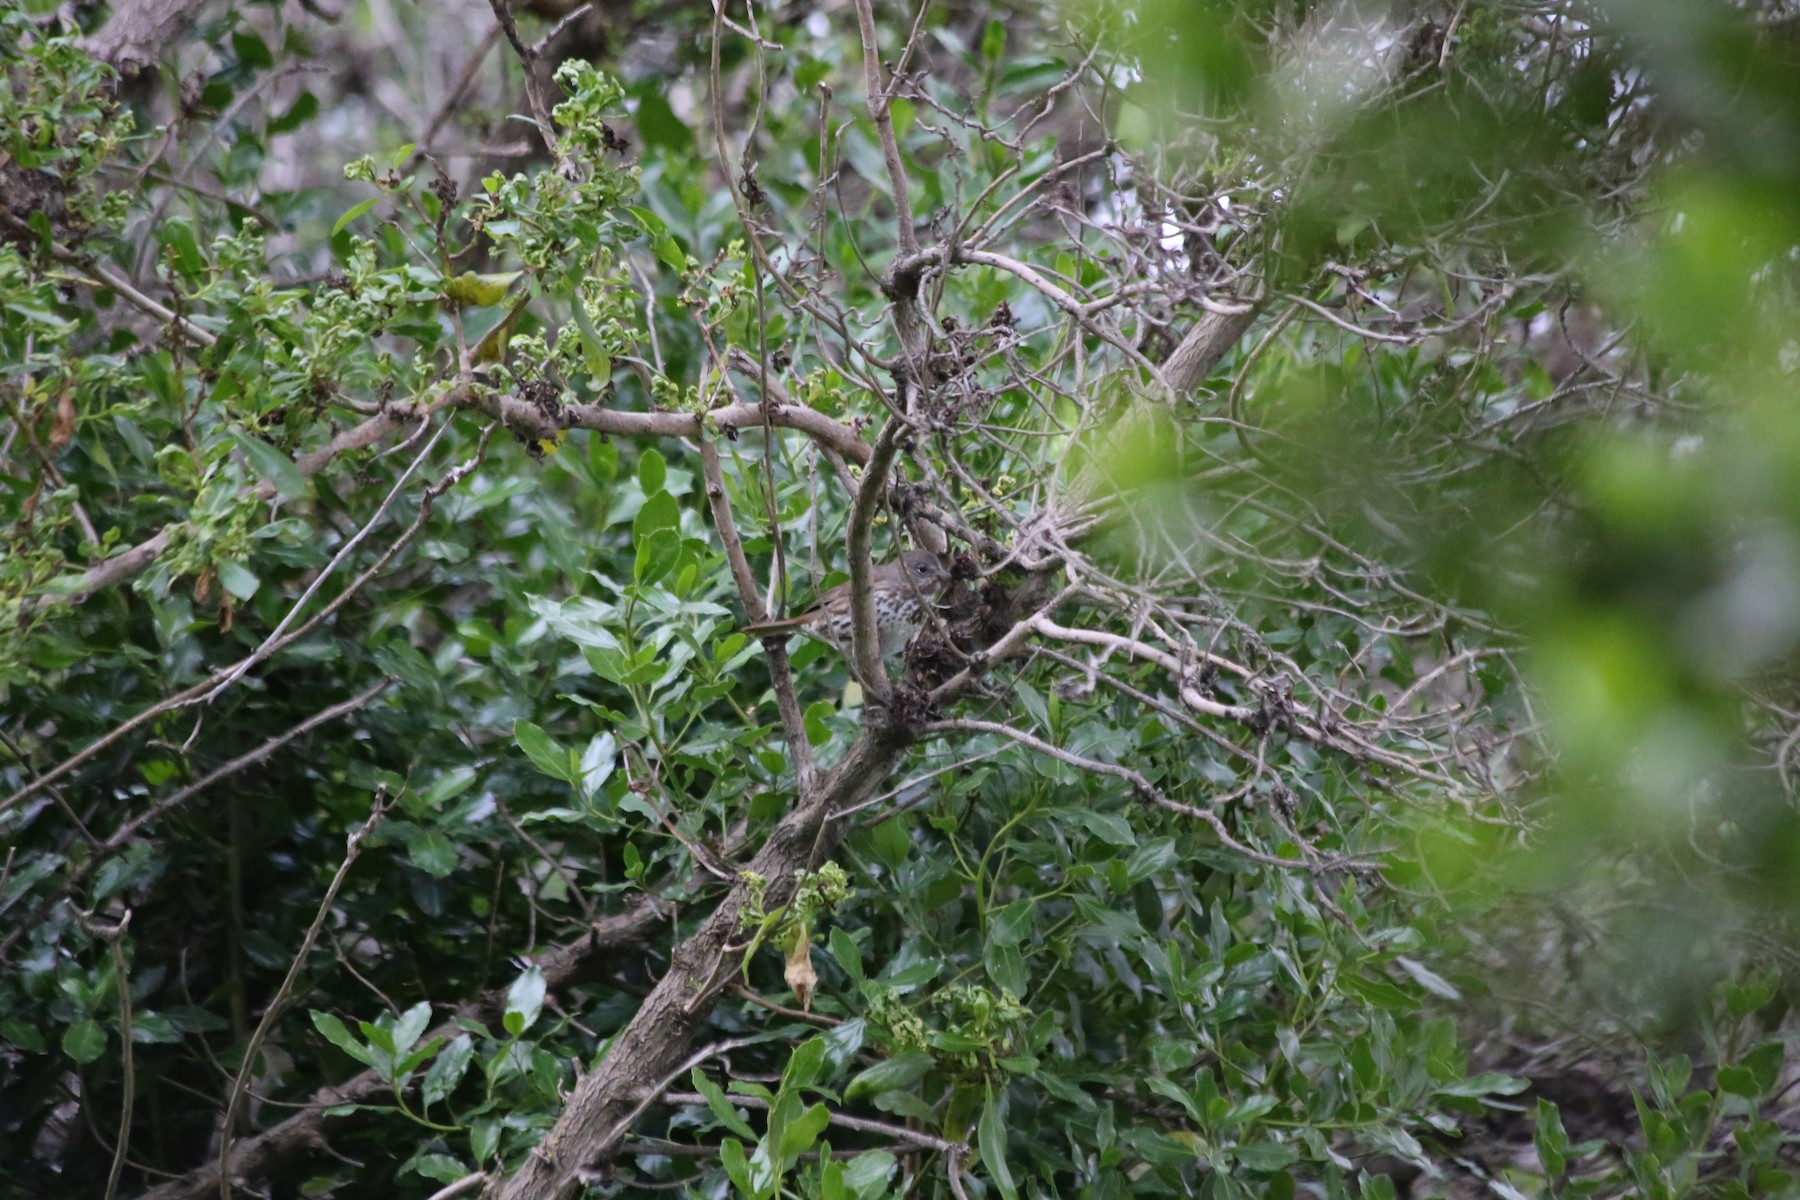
(658, 1037)
(1203, 347)
(139, 30)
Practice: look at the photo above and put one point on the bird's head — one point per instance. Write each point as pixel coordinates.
(925, 571)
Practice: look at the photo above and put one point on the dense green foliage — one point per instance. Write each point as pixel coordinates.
(1392, 793)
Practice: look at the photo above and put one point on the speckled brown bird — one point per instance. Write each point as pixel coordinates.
(900, 589)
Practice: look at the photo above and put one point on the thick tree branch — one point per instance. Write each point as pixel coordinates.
(139, 30)
(644, 1052)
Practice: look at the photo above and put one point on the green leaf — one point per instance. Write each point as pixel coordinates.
(237, 579)
(1011, 924)
(652, 471)
(271, 464)
(868, 1173)
(410, 1026)
(817, 731)
(354, 213)
(417, 1058)
(1489, 1083)
(433, 853)
(1153, 856)
(380, 1035)
(484, 1139)
(545, 753)
(1552, 1140)
(648, 220)
(1428, 979)
(448, 1069)
(1744, 998)
(844, 950)
(731, 1154)
(338, 1035)
(1109, 827)
(669, 251)
(594, 353)
(901, 110)
(1266, 1156)
(448, 786)
(177, 234)
(439, 1167)
(597, 764)
(901, 1071)
(659, 513)
(84, 1041)
(251, 50)
(798, 1135)
(1171, 1090)
(722, 1108)
(809, 74)
(1247, 1110)
(24, 1036)
(991, 1139)
(658, 124)
(891, 842)
(1006, 967)
(657, 555)
(831, 1179)
(804, 1064)
(993, 41)
(304, 108)
(524, 1000)
(1739, 1081)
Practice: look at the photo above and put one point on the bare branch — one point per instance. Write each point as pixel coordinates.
(276, 1006)
(780, 677)
(899, 1133)
(880, 110)
(1141, 787)
(864, 642)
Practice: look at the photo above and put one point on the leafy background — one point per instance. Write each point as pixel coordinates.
(1397, 800)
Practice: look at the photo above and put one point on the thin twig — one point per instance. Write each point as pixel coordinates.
(114, 936)
(188, 695)
(793, 723)
(312, 589)
(76, 872)
(900, 1133)
(272, 1013)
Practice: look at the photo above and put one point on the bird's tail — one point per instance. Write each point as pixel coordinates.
(773, 628)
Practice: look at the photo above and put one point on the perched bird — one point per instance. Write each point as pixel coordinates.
(900, 590)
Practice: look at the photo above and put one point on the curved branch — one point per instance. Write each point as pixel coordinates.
(865, 643)
(793, 724)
